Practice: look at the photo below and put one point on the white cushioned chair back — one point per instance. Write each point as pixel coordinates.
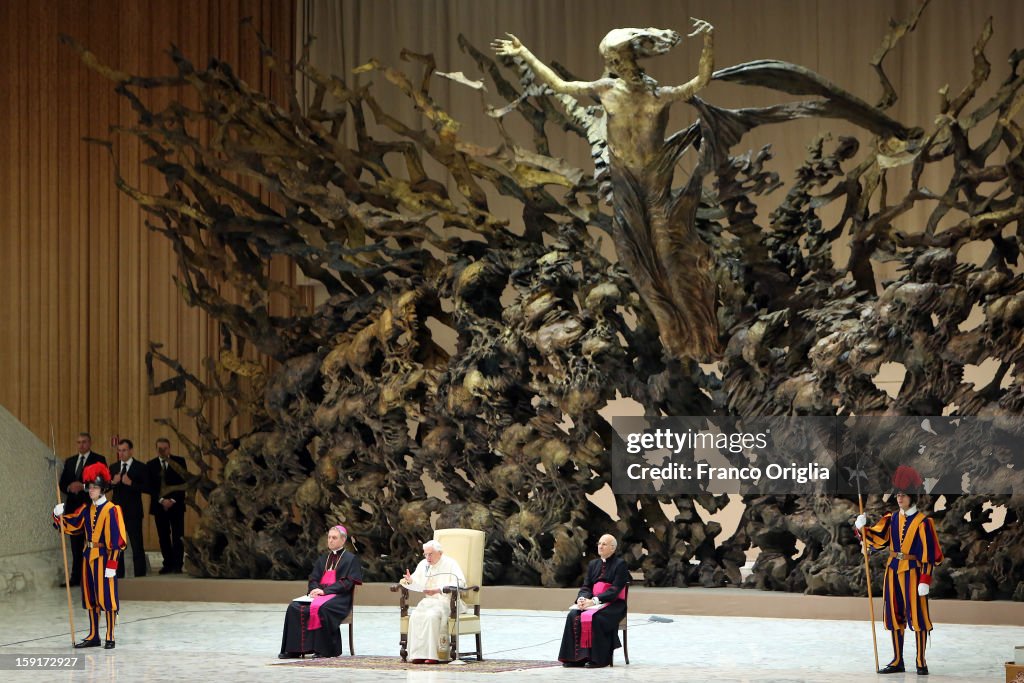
(465, 546)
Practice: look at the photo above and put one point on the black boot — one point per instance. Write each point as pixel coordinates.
(108, 644)
(94, 631)
(896, 665)
(922, 643)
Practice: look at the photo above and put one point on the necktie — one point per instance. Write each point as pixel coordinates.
(78, 467)
(124, 468)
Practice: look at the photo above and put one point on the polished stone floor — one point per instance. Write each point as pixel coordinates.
(164, 641)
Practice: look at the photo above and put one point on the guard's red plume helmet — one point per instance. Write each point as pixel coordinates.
(907, 480)
(96, 473)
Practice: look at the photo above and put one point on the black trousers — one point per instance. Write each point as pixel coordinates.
(133, 527)
(170, 528)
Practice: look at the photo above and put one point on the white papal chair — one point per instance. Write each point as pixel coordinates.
(465, 546)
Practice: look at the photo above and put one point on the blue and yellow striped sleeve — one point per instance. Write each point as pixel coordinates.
(72, 523)
(878, 534)
(931, 552)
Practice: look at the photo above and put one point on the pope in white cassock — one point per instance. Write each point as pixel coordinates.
(428, 632)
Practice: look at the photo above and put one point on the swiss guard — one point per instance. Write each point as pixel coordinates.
(103, 526)
(909, 535)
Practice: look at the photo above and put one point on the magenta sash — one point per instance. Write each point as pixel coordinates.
(587, 617)
(314, 609)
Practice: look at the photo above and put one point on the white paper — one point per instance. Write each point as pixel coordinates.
(303, 598)
(583, 609)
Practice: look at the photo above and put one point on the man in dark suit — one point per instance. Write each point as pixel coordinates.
(167, 474)
(130, 479)
(76, 496)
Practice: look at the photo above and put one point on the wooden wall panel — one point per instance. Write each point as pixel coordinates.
(84, 285)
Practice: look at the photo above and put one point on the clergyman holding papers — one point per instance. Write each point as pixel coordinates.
(428, 632)
(312, 622)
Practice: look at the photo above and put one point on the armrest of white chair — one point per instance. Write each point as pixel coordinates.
(455, 592)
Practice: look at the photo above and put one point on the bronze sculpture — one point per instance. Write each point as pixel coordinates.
(365, 404)
(654, 231)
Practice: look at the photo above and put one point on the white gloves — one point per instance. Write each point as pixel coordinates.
(922, 589)
(58, 509)
(109, 573)
(862, 521)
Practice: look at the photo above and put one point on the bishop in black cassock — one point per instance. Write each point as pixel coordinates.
(332, 602)
(604, 589)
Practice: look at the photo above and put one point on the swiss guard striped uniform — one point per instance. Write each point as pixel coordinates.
(913, 553)
(105, 536)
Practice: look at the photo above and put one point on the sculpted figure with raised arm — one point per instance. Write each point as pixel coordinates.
(654, 226)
